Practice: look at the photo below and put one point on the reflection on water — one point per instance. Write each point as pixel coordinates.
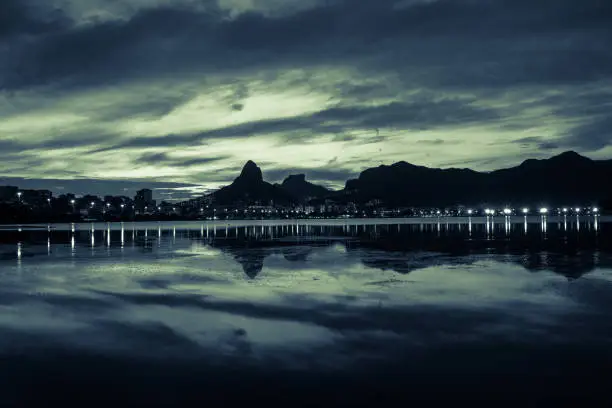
(561, 247)
(502, 303)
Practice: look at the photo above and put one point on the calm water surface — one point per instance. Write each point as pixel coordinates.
(348, 312)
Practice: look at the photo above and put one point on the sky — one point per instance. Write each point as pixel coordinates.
(107, 96)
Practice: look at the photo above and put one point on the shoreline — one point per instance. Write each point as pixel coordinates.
(450, 220)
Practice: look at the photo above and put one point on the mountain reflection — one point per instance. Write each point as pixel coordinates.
(567, 248)
(252, 261)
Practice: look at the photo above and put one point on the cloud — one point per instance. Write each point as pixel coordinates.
(491, 43)
(541, 142)
(436, 142)
(163, 158)
(593, 135)
(22, 17)
(99, 187)
(338, 119)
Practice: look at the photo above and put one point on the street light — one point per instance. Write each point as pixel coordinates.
(525, 211)
(470, 212)
(507, 211)
(543, 210)
(595, 210)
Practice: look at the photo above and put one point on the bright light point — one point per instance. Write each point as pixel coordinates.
(543, 210)
(565, 210)
(577, 210)
(507, 211)
(595, 210)
(470, 212)
(525, 210)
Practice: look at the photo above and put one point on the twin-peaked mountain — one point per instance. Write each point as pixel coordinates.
(250, 187)
(567, 178)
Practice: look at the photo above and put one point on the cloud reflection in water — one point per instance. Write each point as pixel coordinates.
(327, 299)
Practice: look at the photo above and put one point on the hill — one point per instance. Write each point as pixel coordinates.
(563, 178)
(250, 188)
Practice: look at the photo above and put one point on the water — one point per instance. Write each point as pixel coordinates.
(335, 312)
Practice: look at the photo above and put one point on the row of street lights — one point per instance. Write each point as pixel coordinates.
(526, 211)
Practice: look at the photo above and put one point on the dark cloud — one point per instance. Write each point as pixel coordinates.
(592, 135)
(164, 159)
(417, 114)
(436, 142)
(446, 42)
(159, 141)
(19, 17)
(91, 186)
(68, 140)
(151, 105)
(540, 142)
(587, 113)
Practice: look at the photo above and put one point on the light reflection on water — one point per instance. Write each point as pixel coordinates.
(306, 296)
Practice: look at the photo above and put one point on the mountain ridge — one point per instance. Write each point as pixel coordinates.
(301, 189)
(563, 177)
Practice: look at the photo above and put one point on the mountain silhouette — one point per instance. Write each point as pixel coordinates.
(560, 179)
(252, 262)
(568, 179)
(251, 173)
(250, 188)
(300, 189)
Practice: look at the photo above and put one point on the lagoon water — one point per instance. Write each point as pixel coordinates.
(326, 312)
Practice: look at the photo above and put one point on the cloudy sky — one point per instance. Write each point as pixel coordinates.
(179, 94)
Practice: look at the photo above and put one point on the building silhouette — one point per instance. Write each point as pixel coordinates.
(143, 201)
